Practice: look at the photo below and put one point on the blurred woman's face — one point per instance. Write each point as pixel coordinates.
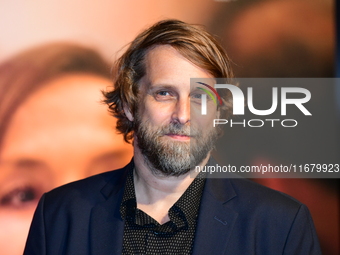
(61, 133)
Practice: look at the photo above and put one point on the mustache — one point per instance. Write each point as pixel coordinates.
(177, 129)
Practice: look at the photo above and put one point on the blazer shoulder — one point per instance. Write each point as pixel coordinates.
(92, 188)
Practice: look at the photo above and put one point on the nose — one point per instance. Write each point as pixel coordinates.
(181, 112)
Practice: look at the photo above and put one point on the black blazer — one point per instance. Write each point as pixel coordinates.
(236, 216)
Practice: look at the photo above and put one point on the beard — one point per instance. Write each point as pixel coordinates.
(168, 157)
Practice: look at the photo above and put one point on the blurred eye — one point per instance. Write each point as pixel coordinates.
(20, 197)
(23, 182)
(197, 96)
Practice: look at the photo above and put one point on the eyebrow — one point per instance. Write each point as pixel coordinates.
(109, 155)
(29, 163)
(160, 86)
(24, 164)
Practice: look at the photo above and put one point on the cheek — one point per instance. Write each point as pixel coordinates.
(156, 114)
(204, 121)
(14, 230)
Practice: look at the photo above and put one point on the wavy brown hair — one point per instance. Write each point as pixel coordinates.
(191, 41)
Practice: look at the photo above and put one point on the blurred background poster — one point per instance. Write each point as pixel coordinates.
(43, 128)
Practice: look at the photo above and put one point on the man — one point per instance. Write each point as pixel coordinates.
(153, 205)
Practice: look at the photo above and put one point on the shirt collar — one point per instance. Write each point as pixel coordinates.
(182, 213)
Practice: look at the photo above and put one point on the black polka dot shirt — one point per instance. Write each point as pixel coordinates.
(144, 235)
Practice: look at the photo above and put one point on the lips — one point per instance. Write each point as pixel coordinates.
(179, 134)
(179, 137)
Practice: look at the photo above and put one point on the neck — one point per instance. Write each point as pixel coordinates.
(156, 193)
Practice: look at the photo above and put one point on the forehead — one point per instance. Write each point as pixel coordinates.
(164, 65)
(65, 100)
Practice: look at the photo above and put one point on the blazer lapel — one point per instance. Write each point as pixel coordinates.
(216, 219)
(214, 226)
(106, 224)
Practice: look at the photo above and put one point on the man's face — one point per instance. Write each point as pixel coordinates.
(172, 139)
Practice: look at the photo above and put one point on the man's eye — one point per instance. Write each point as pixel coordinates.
(19, 197)
(163, 93)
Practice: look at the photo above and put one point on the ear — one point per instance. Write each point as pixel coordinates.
(128, 114)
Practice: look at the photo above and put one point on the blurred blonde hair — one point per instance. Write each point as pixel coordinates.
(25, 73)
